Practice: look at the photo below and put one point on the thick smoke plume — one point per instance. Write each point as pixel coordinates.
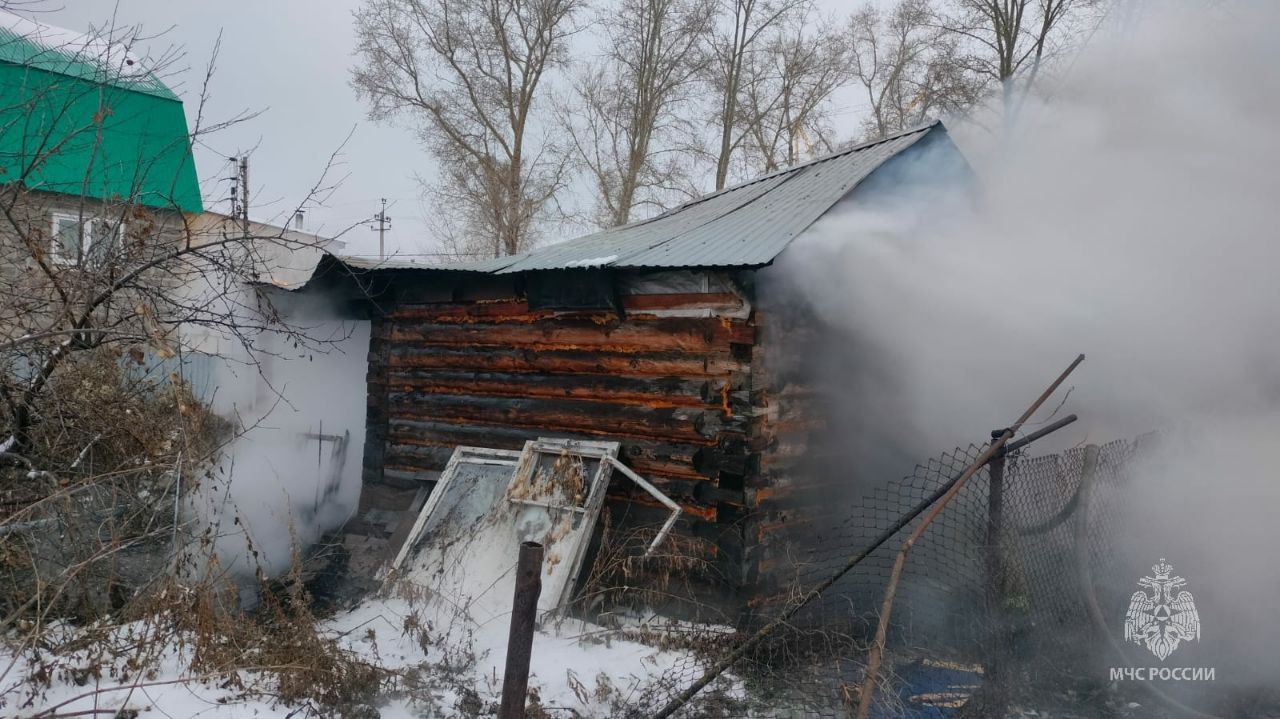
(279, 485)
(1129, 215)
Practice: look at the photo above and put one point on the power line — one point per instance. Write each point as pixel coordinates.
(364, 200)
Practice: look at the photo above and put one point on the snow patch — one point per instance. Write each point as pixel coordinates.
(592, 261)
(95, 48)
(566, 658)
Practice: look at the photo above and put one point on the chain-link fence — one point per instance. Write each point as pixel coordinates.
(964, 613)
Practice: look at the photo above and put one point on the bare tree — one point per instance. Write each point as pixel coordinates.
(108, 269)
(632, 124)
(909, 68)
(1011, 39)
(112, 256)
(740, 32)
(470, 75)
(787, 93)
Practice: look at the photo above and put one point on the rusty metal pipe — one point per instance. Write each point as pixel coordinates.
(524, 612)
(876, 655)
(1048, 429)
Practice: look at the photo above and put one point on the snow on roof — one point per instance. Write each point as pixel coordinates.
(90, 56)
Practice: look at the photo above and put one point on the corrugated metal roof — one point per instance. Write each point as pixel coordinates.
(742, 226)
(490, 265)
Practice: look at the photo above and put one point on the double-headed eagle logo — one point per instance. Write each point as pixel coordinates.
(1161, 620)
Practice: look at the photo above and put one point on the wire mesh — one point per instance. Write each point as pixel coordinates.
(952, 618)
(1060, 539)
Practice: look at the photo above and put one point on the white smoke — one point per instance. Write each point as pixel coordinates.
(1130, 216)
(279, 485)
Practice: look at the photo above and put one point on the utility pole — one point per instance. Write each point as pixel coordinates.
(240, 191)
(384, 224)
(235, 187)
(244, 193)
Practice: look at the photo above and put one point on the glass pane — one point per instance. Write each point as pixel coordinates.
(68, 238)
(102, 238)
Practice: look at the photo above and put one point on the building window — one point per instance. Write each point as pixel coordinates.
(89, 241)
(67, 239)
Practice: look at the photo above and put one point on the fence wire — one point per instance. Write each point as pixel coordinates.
(949, 624)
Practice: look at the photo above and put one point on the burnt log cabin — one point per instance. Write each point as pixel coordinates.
(661, 335)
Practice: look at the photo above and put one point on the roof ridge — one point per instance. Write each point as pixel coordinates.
(799, 166)
(93, 55)
(793, 171)
(791, 175)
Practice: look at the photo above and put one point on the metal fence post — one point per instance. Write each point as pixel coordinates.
(524, 612)
(996, 655)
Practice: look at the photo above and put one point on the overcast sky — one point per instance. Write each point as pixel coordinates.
(290, 59)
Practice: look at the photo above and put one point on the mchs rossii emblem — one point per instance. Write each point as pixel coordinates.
(1158, 618)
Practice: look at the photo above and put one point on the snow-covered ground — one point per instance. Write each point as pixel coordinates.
(579, 669)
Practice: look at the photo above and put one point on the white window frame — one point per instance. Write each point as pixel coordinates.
(86, 237)
(55, 246)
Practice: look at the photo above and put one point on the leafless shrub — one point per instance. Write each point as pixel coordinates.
(277, 652)
(624, 579)
(81, 536)
(444, 628)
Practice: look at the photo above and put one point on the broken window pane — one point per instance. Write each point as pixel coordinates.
(463, 546)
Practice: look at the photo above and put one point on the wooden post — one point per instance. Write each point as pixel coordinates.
(524, 612)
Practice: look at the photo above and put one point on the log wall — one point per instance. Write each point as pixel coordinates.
(670, 377)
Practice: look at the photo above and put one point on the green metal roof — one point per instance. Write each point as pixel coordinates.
(84, 118)
(64, 52)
